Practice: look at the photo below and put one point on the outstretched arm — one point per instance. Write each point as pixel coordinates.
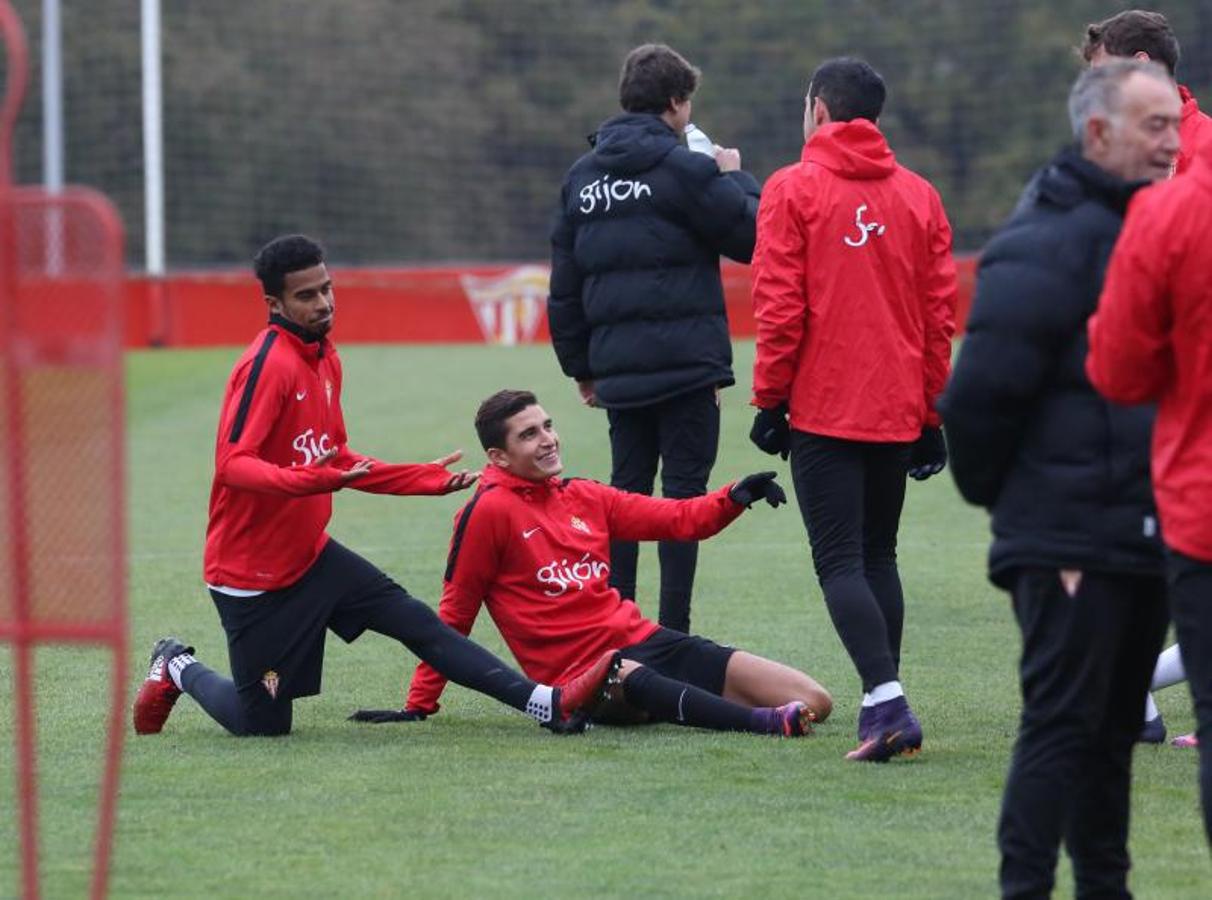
(246, 425)
(636, 517)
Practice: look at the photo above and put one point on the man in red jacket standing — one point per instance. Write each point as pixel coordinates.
(534, 549)
(854, 293)
(1149, 341)
(277, 579)
(1146, 35)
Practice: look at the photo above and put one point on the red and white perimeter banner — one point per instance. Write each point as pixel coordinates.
(498, 304)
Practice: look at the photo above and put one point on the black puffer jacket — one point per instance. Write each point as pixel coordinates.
(1064, 472)
(636, 301)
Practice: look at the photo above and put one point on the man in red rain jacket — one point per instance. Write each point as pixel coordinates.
(1142, 34)
(1150, 341)
(278, 581)
(535, 550)
(854, 293)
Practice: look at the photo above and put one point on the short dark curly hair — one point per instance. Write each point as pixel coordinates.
(495, 411)
(283, 255)
(653, 75)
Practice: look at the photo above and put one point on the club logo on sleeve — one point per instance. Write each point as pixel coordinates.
(269, 681)
(864, 228)
(579, 525)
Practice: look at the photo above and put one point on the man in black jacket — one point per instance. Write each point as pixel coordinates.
(1066, 477)
(637, 306)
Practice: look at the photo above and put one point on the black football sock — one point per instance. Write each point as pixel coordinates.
(666, 700)
(418, 628)
(215, 694)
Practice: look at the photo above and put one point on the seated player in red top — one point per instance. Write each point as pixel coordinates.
(535, 549)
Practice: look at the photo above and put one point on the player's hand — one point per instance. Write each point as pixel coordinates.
(727, 158)
(771, 432)
(588, 396)
(928, 454)
(460, 480)
(380, 716)
(357, 470)
(752, 488)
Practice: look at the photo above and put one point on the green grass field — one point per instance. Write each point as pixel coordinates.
(478, 801)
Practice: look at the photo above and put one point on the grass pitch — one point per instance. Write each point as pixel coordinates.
(478, 801)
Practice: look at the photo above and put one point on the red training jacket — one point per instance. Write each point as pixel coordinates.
(538, 555)
(1194, 132)
(270, 502)
(854, 290)
(1151, 339)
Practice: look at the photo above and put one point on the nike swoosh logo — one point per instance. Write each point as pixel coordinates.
(300, 395)
(526, 534)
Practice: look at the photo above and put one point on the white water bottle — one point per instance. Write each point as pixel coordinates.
(697, 141)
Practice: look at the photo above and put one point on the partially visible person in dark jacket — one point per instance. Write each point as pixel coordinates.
(1066, 475)
(637, 306)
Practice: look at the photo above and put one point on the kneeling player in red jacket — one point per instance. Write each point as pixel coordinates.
(535, 549)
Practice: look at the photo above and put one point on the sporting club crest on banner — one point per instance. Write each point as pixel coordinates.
(508, 307)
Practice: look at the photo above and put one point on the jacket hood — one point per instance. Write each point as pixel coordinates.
(1071, 179)
(495, 476)
(632, 142)
(855, 149)
(1190, 104)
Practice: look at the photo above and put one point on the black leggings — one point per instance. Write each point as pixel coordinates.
(253, 711)
(1191, 600)
(850, 495)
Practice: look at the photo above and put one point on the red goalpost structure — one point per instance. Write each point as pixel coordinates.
(62, 487)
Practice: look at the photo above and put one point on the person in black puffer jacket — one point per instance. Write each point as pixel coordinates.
(1066, 477)
(636, 306)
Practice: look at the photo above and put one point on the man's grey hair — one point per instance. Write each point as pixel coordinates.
(1096, 93)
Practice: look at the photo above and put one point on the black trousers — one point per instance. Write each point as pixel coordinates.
(1190, 582)
(683, 435)
(850, 495)
(1088, 655)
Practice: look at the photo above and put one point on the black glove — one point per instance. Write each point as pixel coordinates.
(379, 716)
(770, 432)
(928, 454)
(752, 488)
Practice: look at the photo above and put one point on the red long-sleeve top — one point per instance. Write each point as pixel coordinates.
(270, 500)
(537, 554)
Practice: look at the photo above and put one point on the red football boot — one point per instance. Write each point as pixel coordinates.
(574, 701)
(158, 693)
